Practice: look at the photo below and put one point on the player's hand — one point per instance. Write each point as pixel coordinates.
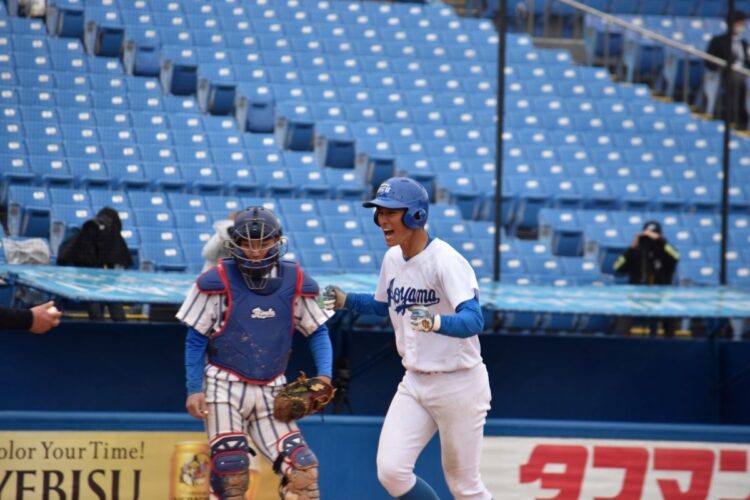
(422, 320)
(196, 405)
(334, 298)
(45, 317)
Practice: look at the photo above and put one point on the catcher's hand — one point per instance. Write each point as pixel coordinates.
(302, 397)
(422, 320)
(334, 298)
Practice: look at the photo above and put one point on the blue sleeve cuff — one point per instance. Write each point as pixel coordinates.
(467, 322)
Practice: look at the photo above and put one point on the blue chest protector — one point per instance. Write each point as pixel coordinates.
(256, 339)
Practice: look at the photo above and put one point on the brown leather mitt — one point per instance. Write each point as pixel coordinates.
(301, 397)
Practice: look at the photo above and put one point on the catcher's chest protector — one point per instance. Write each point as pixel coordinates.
(257, 335)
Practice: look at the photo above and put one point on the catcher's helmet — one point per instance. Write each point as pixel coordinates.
(402, 192)
(258, 228)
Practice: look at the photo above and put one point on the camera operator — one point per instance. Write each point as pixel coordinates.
(98, 244)
(650, 260)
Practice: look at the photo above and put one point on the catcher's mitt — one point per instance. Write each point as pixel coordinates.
(301, 397)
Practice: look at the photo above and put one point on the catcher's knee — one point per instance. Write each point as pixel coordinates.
(299, 467)
(229, 466)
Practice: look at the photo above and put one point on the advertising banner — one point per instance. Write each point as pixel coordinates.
(600, 469)
(113, 466)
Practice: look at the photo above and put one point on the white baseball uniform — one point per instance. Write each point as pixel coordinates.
(446, 386)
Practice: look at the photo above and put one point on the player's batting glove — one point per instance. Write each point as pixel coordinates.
(422, 320)
(334, 298)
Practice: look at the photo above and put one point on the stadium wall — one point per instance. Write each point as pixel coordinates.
(42, 454)
(139, 368)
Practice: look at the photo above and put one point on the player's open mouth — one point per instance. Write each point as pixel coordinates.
(388, 232)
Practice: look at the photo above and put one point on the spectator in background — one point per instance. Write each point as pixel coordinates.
(99, 244)
(216, 247)
(733, 47)
(38, 319)
(32, 8)
(650, 260)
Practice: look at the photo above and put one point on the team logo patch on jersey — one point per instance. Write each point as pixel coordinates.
(404, 297)
(259, 313)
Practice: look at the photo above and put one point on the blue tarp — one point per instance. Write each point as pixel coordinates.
(82, 284)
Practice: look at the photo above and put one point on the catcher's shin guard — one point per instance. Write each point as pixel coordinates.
(299, 466)
(229, 466)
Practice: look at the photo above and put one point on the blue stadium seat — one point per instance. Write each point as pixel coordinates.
(238, 180)
(605, 244)
(698, 273)
(127, 175)
(65, 18)
(51, 171)
(319, 261)
(343, 224)
(255, 108)
(304, 223)
(297, 206)
(216, 88)
(274, 181)
(162, 256)
(161, 218)
(310, 182)
(193, 219)
(202, 178)
(164, 175)
(334, 144)
(101, 198)
(358, 261)
(459, 189)
(104, 33)
(28, 211)
(294, 126)
(179, 70)
(375, 161)
(311, 241)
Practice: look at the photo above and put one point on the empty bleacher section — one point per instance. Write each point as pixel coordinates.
(307, 105)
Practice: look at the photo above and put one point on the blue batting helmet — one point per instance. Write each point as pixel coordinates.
(402, 192)
(260, 227)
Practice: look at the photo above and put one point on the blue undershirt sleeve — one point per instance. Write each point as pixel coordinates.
(365, 303)
(322, 351)
(467, 322)
(195, 353)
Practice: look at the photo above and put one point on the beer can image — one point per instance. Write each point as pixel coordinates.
(190, 471)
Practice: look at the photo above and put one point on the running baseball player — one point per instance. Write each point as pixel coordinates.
(431, 294)
(241, 315)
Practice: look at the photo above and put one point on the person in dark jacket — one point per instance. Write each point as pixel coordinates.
(38, 319)
(733, 47)
(99, 244)
(650, 260)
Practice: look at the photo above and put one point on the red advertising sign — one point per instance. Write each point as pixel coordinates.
(593, 469)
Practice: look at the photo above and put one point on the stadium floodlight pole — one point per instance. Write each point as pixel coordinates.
(502, 29)
(726, 153)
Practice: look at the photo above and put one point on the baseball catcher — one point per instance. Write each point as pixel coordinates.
(240, 314)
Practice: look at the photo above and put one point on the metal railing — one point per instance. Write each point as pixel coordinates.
(652, 35)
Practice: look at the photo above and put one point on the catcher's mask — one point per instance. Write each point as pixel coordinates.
(402, 192)
(256, 245)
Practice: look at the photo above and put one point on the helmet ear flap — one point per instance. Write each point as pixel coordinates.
(420, 216)
(415, 219)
